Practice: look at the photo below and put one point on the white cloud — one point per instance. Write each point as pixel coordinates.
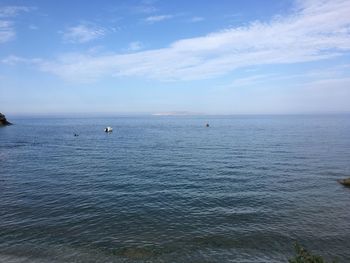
(33, 27)
(316, 30)
(154, 19)
(7, 31)
(83, 33)
(13, 60)
(11, 11)
(252, 80)
(135, 46)
(7, 14)
(196, 19)
(307, 78)
(144, 8)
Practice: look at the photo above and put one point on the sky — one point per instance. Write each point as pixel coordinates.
(195, 57)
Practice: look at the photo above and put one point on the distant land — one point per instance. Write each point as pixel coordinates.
(177, 113)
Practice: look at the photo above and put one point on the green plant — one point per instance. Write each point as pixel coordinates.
(304, 256)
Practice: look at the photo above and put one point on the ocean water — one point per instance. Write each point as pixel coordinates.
(168, 189)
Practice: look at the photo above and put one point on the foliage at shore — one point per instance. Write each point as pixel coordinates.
(304, 256)
(345, 182)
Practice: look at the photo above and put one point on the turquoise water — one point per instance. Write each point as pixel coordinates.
(168, 189)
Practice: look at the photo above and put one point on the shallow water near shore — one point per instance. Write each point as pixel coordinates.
(169, 189)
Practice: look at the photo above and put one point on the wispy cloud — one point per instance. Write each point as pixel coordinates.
(316, 30)
(135, 46)
(196, 19)
(33, 27)
(7, 15)
(7, 32)
(13, 60)
(11, 11)
(253, 80)
(144, 7)
(154, 19)
(83, 33)
(307, 78)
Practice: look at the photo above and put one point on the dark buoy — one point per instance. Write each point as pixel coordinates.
(207, 125)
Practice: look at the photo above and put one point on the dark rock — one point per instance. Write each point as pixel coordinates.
(345, 182)
(3, 120)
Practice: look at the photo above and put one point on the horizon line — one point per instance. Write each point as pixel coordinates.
(164, 114)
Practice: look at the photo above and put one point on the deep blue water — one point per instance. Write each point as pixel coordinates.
(168, 189)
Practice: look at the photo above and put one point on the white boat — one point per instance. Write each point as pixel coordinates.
(108, 129)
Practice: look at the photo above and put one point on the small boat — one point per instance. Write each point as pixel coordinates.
(108, 129)
(207, 125)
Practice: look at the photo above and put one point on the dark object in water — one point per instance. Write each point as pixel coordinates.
(76, 135)
(345, 182)
(304, 256)
(3, 120)
(207, 125)
(108, 129)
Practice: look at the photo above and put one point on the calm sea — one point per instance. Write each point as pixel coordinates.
(168, 189)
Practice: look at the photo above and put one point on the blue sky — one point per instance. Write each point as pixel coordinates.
(149, 56)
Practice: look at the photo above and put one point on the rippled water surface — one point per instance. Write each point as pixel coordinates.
(168, 189)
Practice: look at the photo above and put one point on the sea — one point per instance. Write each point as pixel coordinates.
(170, 189)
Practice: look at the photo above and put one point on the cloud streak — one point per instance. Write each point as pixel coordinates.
(11, 11)
(7, 14)
(83, 33)
(196, 19)
(159, 18)
(135, 46)
(13, 60)
(7, 32)
(316, 30)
